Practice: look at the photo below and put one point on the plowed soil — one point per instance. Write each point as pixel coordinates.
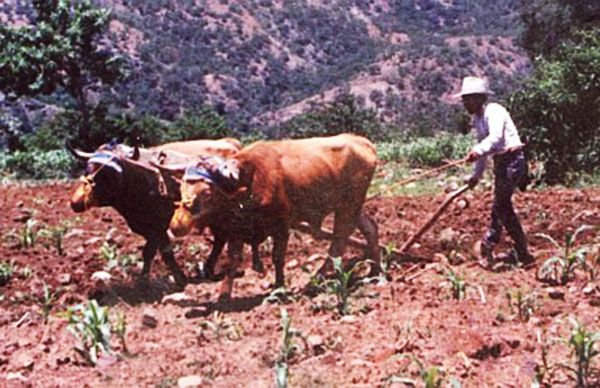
(486, 338)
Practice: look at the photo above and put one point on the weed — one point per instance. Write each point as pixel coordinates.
(524, 303)
(561, 267)
(287, 349)
(91, 327)
(221, 326)
(55, 234)
(7, 270)
(582, 343)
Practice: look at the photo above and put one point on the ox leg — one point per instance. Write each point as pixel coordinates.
(257, 264)
(148, 255)
(280, 244)
(215, 252)
(234, 253)
(169, 258)
(369, 228)
(344, 224)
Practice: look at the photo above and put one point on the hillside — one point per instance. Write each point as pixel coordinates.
(261, 61)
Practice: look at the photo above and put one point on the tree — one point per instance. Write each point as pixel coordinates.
(549, 22)
(60, 49)
(559, 107)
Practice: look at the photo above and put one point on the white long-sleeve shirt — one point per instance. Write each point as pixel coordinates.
(496, 132)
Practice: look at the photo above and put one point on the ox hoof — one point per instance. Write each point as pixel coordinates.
(224, 298)
(258, 267)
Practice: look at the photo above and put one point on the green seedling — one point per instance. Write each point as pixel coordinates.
(524, 304)
(221, 327)
(47, 300)
(287, 349)
(91, 327)
(7, 269)
(457, 285)
(561, 267)
(582, 344)
(109, 253)
(120, 329)
(341, 285)
(431, 377)
(25, 272)
(55, 235)
(28, 235)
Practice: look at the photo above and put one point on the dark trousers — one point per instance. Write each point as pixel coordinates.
(510, 170)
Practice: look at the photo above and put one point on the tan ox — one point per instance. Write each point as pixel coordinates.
(272, 186)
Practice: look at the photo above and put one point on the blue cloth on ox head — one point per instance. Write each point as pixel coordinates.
(196, 173)
(106, 160)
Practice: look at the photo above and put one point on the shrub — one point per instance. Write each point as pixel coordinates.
(426, 151)
(558, 108)
(54, 164)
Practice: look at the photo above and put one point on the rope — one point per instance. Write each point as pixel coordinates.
(422, 175)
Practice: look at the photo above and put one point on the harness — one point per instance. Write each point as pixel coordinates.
(105, 159)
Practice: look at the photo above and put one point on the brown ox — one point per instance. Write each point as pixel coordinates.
(118, 176)
(272, 186)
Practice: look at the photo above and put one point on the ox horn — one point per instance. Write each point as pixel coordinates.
(135, 155)
(78, 154)
(175, 169)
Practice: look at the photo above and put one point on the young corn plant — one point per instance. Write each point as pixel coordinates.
(7, 270)
(90, 325)
(458, 285)
(287, 349)
(561, 267)
(47, 300)
(582, 344)
(431, 377)
(221, 327)
(29, 234)
(524, 304)
(120, 329)
(341, 285)
(55, 236)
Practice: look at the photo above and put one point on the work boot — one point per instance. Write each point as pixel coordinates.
(526, 259)
(487, 255)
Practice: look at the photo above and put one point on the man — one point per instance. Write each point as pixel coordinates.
(498, 137)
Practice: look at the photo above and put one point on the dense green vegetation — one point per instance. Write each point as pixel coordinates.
(559, 107)
(200, 71)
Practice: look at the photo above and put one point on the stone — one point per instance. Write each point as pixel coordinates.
(64, 278)
(179, 299)
(556, 294)
(101, 276)
(190, 381)
(149, 320)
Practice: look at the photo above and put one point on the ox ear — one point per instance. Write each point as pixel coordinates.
(78, 154)
(227, 175)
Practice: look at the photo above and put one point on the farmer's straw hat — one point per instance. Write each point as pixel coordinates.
(473, 85)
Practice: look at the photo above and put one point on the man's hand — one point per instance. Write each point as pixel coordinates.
(472, 181)
(472, 156)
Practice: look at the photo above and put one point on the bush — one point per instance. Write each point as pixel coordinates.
(426, 151)
(559, 111)
(37, 164)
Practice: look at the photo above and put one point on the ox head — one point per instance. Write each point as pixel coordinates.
(104, 175)
(205, 184)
